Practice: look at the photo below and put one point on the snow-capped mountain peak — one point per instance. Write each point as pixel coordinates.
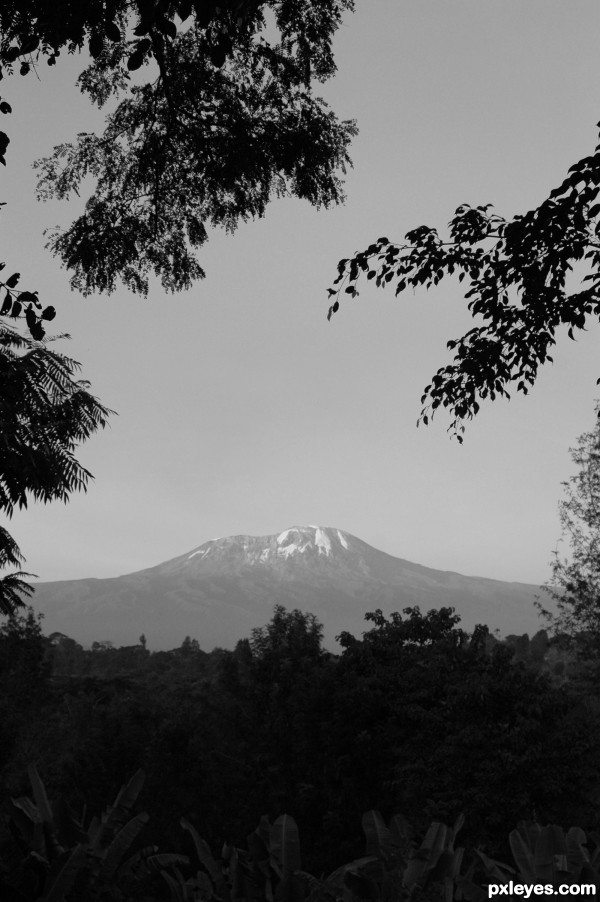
(223, 589)
(291, 543)
(299, 539)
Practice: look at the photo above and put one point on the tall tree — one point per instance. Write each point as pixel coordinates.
(516, 277)
(575, 583)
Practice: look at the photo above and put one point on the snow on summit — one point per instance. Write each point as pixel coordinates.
(299, 539)
(294, 541)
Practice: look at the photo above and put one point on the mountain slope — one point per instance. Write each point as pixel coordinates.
(218, 592)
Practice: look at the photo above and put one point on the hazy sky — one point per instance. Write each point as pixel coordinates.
(241, 410)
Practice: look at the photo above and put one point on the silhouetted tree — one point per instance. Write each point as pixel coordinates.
(516, 277)
(224, 120)
(575, 583)
(45, 412)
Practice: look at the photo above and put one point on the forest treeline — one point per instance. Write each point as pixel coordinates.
(417, 717)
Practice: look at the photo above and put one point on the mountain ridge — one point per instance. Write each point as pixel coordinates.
(220, 590)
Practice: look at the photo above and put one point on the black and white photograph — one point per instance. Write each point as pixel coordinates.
(299, 450)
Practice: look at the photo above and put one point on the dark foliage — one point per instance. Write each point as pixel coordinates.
(517, 273)
(224, 120)
(45, 412)
(417, 718)
(575, 583)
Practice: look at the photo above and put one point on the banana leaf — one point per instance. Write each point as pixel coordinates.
(101, 834)
(284, 845)
(435, 840)
(120, 844)
(177, 890)
(497, 869)
(550, 853)
(207, 861)
(523, 856)
(424, 859)
(39, 794)
(29, 824)
(379, 838)
(61, 881)
(458, 825)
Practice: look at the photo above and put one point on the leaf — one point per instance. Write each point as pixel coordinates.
(29, 297)
(379, 838)
(30, 318)
(68, 874)
(5, 107)
(7, 304)
(167, 27)
(113, 32)
(37, 331)
(48, 313)
(96, 45)
(135, 60)
(206, 859)
(523, 857)
(121, 844)
(285, 844)
(39, 791)
(12, 280)
(143, 28)
(101, 834)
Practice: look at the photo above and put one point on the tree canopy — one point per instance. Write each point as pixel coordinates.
(518, 288)
(217, 120)
(575, 582)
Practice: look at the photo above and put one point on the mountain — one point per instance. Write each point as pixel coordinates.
(218, 592)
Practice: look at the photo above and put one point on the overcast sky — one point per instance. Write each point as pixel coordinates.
(241, 410)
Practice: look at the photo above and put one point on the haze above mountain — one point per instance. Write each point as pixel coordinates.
(219, 591)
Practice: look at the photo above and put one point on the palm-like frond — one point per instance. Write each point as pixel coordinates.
(45, 412)
(12, 588)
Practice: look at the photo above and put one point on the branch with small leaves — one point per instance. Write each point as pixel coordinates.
(25, 305)
(516, 272)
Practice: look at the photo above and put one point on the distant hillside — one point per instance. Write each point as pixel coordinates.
(218, 592)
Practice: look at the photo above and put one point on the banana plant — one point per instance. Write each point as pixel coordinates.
(64, 861)
(542, 855)
(392, 869)
(547, 855)
(266, 872)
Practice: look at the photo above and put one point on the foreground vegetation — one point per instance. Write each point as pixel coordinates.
(415, 723)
